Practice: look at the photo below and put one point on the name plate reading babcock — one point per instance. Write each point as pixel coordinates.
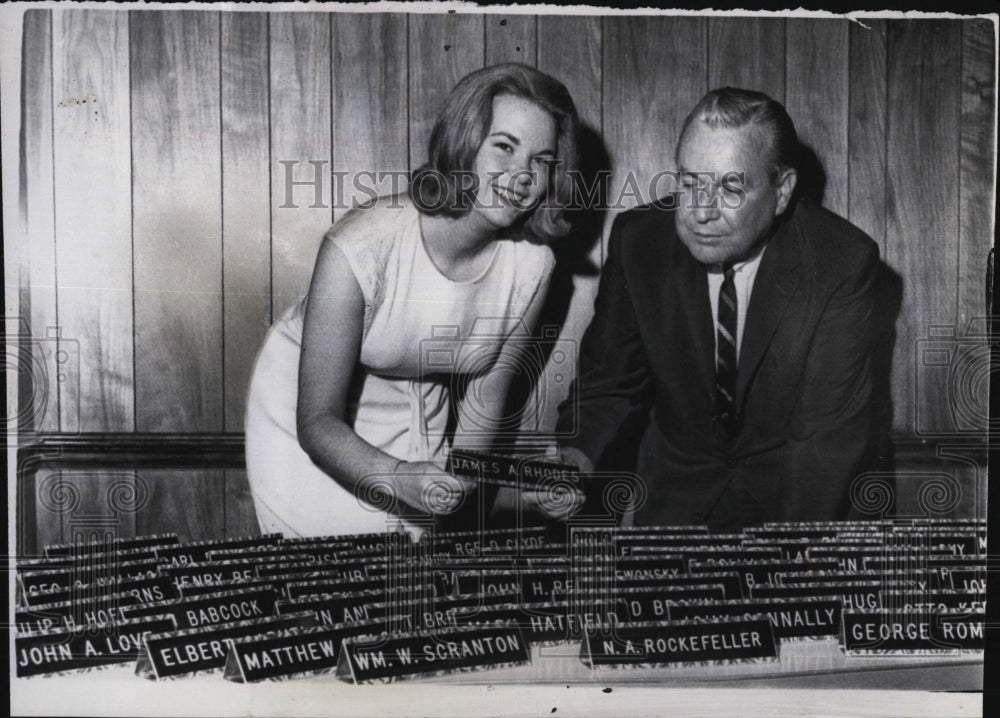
(181, 653)
(213, 608)
(678, 643)
(84, 647)
(888, 632)
(431, 653)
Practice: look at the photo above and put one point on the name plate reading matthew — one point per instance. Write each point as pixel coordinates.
(681, 643)
(432, 653)
(887, 632)
(298, 652)
(214, 608)
(84, 647)
(182, 653)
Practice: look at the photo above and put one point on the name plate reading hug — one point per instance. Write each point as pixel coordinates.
(806, 617)
(182, 653)
(65, 578)
(198, 552)
(854, 595)
(500, 470)
(288, 654)
(147, 590)
(889, 632)
(431, 653)
(681, 643)
(84, 647)
(226, 607)
(110, 546)
(764, 571)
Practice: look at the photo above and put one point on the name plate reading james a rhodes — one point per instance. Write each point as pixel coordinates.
(147, 590)
(806, 617)
(84, 647)
(671, 643)
(198, 552)
(500, 470)
(111, 546)
(225, 607)
(888, 632)
(197, 650)
(431, 653)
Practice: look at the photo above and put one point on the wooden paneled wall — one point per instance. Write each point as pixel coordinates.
(156, 148)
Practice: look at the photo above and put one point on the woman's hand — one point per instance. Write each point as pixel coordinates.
(425, 487)
(558, 502)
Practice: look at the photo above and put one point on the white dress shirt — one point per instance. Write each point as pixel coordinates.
(744, 274)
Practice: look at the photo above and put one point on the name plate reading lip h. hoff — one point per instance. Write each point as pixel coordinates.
(887, 632)
(85, 647)
(429, 653)
(197, 650)
(667, 643)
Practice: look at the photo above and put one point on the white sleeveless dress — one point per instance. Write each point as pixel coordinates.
(416, 320)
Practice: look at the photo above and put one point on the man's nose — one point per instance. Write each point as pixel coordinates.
(706, 212)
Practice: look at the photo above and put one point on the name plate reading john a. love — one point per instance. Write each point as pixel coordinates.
(678, 643)
(365, 659)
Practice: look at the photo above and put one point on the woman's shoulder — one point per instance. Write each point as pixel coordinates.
(533, 259)
(382, 220)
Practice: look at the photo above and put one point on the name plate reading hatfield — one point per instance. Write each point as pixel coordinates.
(214, 608)
(119, 544)
(888, 632)
(681, 643)
(185, 652)
(84, 647)
(431, 653)
(807, 617)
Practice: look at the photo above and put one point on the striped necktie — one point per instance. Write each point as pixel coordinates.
(725, 359)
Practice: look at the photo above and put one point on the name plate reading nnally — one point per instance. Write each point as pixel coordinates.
(84, 647)
(806, 617)
(214, 608)
(679, 643)
(888, 632)
(182, 653)
(431, 653)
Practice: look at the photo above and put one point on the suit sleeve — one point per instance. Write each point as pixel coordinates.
(831, 433)
(613, 377)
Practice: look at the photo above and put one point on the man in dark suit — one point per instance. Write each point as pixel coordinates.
(739, 320)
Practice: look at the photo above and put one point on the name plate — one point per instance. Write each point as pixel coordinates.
(431, 653)
(226, 607)
(855, 595)
(299, 553)
(903, 579)
(191, 590)
(183, 653)
(49, 579)
(730, 581)
(472, 543)
(968, 579)
(657, 543)
(302, 585)
(198, 552)
(764, 571)
(346, 571)
(942, 601)
(147, 590)
(351, 607)
(681, 643)
(887, 632)
(289, 654)
(111, 546)
(651, 603)
(500, 470)
(806, 617)
(210, 572)
(72, 614)
(84, 647)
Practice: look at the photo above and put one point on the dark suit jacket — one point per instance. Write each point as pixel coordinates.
(804, 395)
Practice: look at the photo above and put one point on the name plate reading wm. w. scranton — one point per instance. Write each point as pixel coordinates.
(84, 647)
(431, 653)
(213, 608)
(887, 632)
(679, 643)
(196, 650)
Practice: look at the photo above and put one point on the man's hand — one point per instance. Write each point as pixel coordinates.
(425, 487)
(572, 455)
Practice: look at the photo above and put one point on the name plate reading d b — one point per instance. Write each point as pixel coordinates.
(888, 632)
(677, 643)
(431, 653)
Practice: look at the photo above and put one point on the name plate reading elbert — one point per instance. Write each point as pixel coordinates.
(213, 608)
(888, 632)
(680, 643)
(432, 653)
(84, 647)
(185, 652)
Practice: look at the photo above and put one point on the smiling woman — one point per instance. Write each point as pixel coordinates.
(348, 411)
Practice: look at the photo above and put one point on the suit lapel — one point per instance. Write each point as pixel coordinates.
(691, 282)
(773, 287)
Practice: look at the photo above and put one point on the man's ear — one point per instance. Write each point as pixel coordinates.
(787, 179)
